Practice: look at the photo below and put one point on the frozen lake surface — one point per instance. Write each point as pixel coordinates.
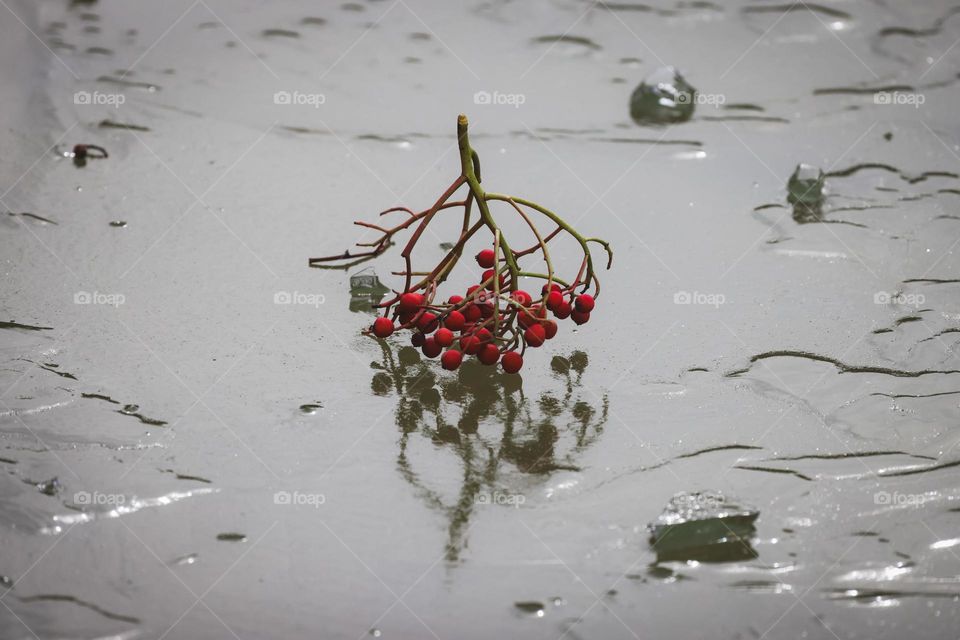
(198, 443)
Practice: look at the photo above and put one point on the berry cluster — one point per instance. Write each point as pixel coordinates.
(494, 320)
(485, 322)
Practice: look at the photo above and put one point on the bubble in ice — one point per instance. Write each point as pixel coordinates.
(663, 97)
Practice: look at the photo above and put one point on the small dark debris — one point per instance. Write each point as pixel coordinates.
(111, 124)
(231, 537)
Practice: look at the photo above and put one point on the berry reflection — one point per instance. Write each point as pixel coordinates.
(500, 435)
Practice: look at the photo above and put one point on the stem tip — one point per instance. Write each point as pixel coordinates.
(462, 119)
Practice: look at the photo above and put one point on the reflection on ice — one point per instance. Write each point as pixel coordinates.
(496, 431)
(122, 506)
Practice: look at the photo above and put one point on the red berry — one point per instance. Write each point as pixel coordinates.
(485, 258)
(554, 300)
(489, 274)
(382, 327)
(483, 296)
(417, 339)
(430, 348)
(550, 328)
(511, 362)
(532, 316)
(454, 300)
(563, 311)
(451, 359)
(525, 318)
(484, 336)
(472, 290)
(444, 337)
(486, 310)
(538, 313)
(410, 302)
(472, 312)
(584, 303)
(406, 316)
(553, 286)
(470, 344)
(454, 321)
(489, 354)
(580, 317)
(428, 322)
(522, 298)
(535, 335)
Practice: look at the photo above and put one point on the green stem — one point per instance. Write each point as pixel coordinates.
(566, 227)
(496, 281)
(540, 242)
(544, 276)
(467, 164)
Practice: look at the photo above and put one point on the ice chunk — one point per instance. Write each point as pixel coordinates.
(366, 282)
(366, 291)
(805, 185)
(662, 98)
(806, 193)
(707, 526)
